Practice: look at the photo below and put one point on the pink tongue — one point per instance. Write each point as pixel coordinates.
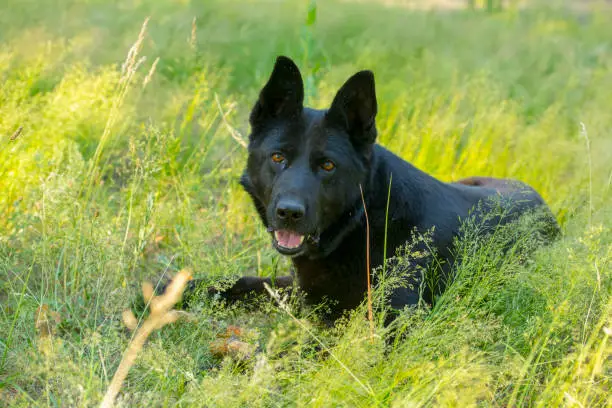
(288, 239)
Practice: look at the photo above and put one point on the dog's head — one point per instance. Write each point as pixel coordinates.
(305, 166)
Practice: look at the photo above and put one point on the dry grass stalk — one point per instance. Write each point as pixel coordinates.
(161, 314)
(128, 71)
(370, 311)
(131, 63)
(233, 132)
(150, 74)
(585, 134)
(193, 39)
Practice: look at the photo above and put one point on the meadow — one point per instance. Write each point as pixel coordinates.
(122, 137)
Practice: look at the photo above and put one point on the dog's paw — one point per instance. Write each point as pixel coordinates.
(240, 289)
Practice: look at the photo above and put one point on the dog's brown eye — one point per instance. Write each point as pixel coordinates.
(328, 165)
(278, 158)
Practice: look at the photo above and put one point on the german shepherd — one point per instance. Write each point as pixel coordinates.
(306, 171)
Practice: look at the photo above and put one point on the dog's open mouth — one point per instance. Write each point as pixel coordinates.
(288, 242)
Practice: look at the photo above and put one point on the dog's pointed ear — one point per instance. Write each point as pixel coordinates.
(283, 94)
(354, 108)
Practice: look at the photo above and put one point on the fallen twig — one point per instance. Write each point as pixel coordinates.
(161, 314)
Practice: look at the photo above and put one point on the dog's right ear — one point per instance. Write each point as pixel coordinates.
(283, 94)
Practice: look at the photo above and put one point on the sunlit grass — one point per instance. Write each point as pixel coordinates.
(112, 182)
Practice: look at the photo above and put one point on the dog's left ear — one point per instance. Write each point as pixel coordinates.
(354, 108)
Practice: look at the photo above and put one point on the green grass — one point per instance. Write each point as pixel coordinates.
(112, 182)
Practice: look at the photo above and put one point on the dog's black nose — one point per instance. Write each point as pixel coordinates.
(289, 209)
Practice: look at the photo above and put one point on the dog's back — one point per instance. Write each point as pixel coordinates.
(515, 198)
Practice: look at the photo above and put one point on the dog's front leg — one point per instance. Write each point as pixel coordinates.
(241, 289)
(247, 285)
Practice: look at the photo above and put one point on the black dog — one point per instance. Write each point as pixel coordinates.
(305, 172)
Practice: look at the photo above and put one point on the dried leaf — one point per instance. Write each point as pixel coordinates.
(232, 347)
(231, 331)
(229, 343)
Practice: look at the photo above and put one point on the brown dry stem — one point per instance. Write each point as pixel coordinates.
(161, 314)
(370, 311)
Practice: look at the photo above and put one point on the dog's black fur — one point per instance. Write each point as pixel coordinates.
(295, 189)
